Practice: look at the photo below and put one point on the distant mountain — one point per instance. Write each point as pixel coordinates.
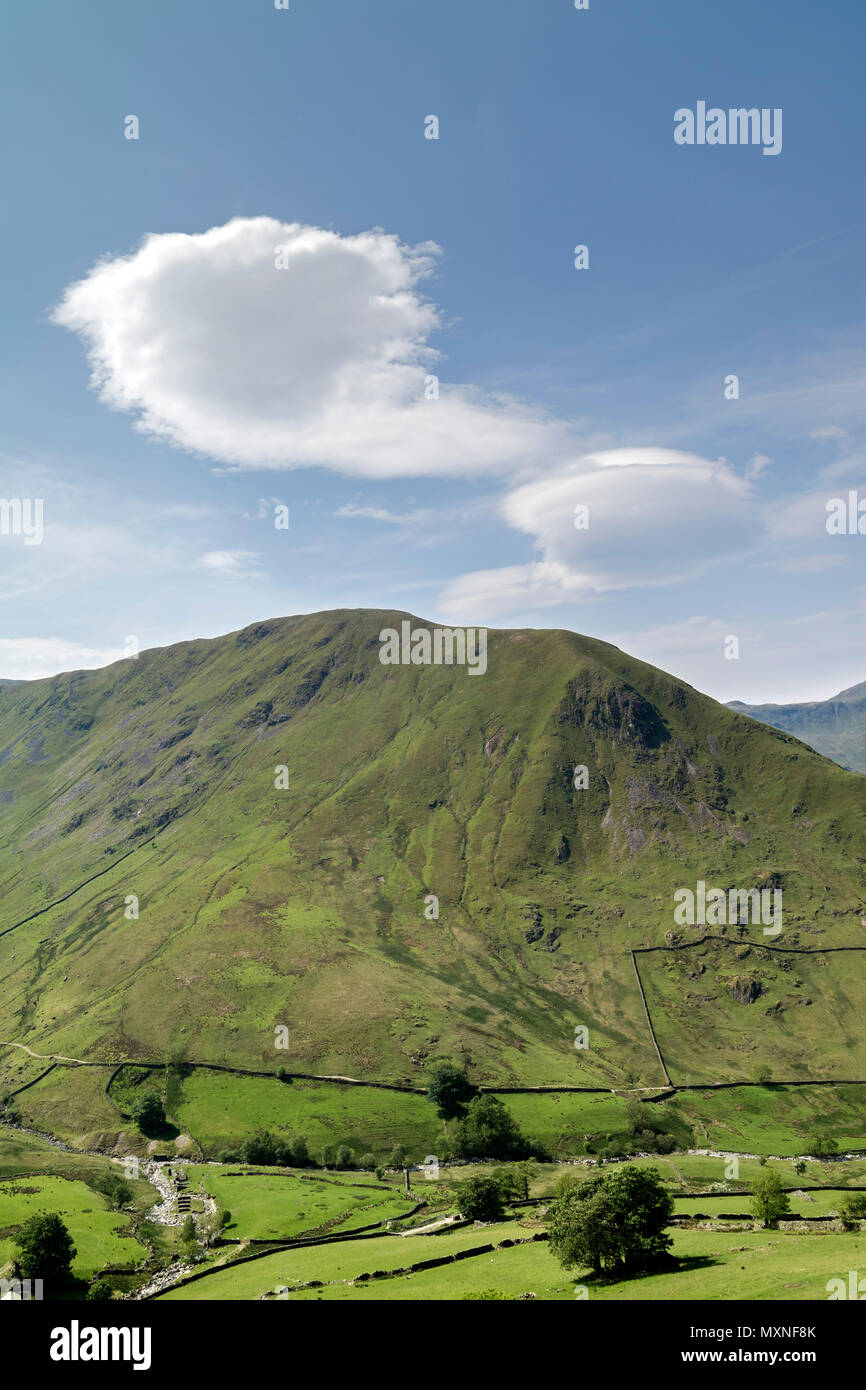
(836, 728)
(223, 838)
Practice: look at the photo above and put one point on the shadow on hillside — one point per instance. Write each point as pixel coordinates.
(165, 1132)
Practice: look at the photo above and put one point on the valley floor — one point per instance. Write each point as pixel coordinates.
(349, 1236)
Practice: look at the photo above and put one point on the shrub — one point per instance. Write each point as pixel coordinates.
(116, 1189)
(187, 1228)
(822, 1144)
(769, 1200)
(480, 1199)
(149, 1114)
(300, 1152)
(270, 1150)
(852, 1210)
(488, 1130)
(450, 1089)
(100, 1289)
(566, 1182)
(46, 1247)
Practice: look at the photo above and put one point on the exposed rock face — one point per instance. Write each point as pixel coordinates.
(535, 930)
(492, 744)
(745, 989)
(618, 712)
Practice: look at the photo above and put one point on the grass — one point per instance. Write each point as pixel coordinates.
(97, 1231)
(262, 908)
(70, 1103)
(278, 1205)
(706, 1035)
(716, 1265)
(755, 1266)
(824, 1204)
(222, 1110)
(344, 1260)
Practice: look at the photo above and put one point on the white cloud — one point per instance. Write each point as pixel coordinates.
(757, 465)
(656, 516)
(217, 351)
(31, 658)
(383, 514)
(825, 433)
(231, 564)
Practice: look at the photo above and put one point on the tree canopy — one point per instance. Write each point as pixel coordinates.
(769, 1199)
(450, 1090)
(614, 1220)
(46, 1247)
(488, 1130)
(480, 1198)
(149, 1114)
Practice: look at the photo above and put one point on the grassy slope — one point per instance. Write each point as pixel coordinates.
(305, 907)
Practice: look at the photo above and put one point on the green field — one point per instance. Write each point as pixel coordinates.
(343, 1260)
(98, 1233)
(759, 1265)
(821, 1204)
(222, 1110)
(266, 1204)
(747, 1265)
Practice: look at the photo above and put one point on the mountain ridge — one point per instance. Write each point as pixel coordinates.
(835, 727)
(304, 907)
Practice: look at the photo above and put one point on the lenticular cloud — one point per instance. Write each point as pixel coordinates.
(270, 344)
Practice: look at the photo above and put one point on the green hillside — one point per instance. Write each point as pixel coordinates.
(305, 906)
(836, 728)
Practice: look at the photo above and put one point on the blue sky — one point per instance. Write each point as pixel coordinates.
(227, 386)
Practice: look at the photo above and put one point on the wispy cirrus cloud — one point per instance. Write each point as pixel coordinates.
(231, 564)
